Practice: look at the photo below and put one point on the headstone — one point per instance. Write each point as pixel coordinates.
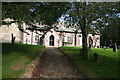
(95, 57)
(101, 46)
(114, 47)
(104, 46)
(118, 47)
(107, 48)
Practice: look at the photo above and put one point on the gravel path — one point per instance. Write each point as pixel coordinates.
(55, 65)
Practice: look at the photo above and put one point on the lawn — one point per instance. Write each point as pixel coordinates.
(107, 67)
(16, 57)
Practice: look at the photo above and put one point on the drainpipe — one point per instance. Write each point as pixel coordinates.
(63, 39)
(75, 39)
(32, 38)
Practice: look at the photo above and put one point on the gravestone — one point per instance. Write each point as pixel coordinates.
(95, 57)
(108, 47)
(118, 47)
(104, 46)
(114, 47)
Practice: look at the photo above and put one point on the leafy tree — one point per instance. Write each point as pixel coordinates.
(110, 34)
(84, 13)
(33, 12)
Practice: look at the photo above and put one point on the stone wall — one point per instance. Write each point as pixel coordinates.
(6, 31)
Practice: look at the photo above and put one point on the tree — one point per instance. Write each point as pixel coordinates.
(110, 33)
(83, 14)
(33, 12)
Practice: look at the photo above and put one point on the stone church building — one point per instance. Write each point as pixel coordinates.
(57, 35)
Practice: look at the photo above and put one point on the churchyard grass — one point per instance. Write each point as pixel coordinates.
(107, 67)
(16, 57)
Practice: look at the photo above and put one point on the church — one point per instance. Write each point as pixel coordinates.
(59, 34)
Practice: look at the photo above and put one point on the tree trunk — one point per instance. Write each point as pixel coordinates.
(84, 36)
(84, 45)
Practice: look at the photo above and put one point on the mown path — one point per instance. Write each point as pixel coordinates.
(55, 65)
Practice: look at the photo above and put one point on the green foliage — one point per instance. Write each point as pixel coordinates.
(91, 11)
(107, 67)
(32, 12)
(16, 57)
(110, 34)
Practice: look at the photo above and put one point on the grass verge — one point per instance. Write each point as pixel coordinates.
(16, 57)
(107, 67)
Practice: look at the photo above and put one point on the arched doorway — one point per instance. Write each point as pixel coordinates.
(90, 42)
(51, 40)
(41, 41)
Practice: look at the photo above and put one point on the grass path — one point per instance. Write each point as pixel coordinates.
(16, 57)
(107, 67)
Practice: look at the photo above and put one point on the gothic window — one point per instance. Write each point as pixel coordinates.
(41, 40)
(70, 39)
(97, 38)
(36, 37)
